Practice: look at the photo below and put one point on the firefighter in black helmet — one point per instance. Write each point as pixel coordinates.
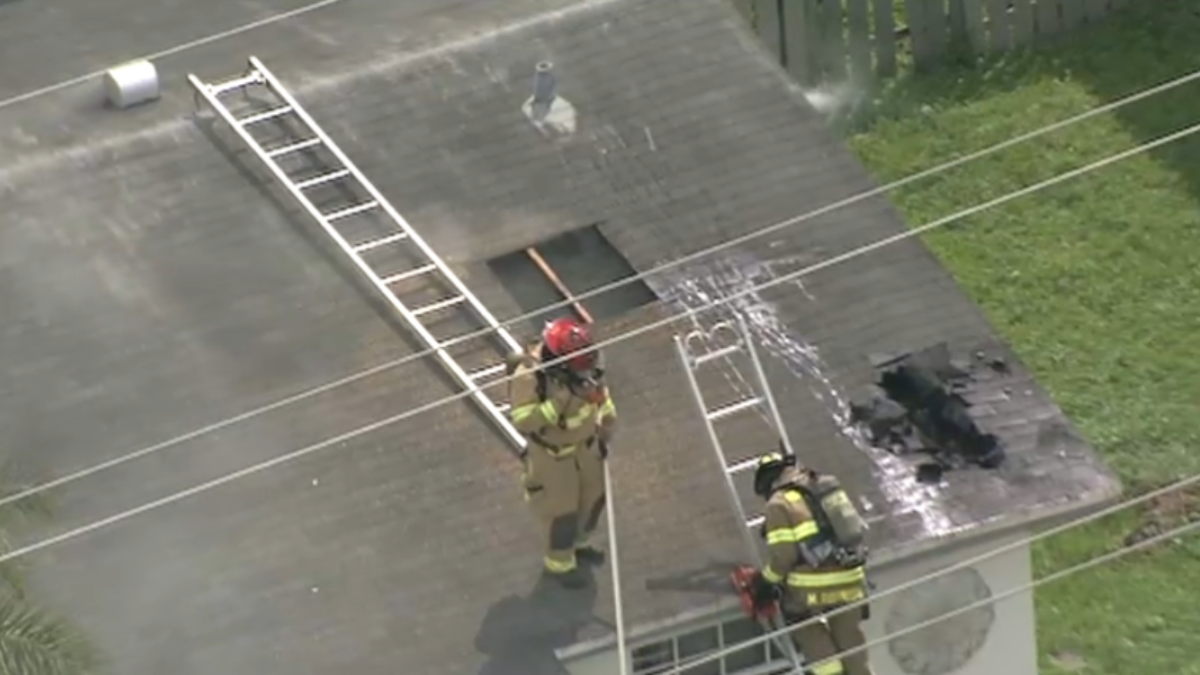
(815, 561)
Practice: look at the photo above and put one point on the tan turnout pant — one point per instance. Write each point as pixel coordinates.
(818, 642)
(566, 494)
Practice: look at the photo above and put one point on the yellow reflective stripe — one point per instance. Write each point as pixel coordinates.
(577, 420)
(782, 536)
(771, 575)
(609, 409)
(521, 412)
(546, 408)
(805, 530)
(823, 579)
(792, 535)
(771, 457)
(828, 668)
(839, 597)
(550, 412)
(559, 566)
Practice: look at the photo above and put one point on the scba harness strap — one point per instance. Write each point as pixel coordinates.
(845, 556)
(577, 385)
(542, 386)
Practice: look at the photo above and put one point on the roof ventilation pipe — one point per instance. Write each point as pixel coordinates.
(544, 85)
(552, 115)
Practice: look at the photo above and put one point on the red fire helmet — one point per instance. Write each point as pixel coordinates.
(565, 336)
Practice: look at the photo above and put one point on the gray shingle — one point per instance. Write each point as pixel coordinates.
(151, 288)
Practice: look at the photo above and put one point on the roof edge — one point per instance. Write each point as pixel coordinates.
(892, 557)
(647, 631)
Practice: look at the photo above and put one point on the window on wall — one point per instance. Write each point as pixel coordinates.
(663, 655)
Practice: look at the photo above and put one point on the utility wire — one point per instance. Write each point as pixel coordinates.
(615, 563)
(186, 46)
(692, 311)
(363, 374)
(1023, 588)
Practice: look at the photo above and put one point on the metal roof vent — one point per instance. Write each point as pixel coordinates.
(550, 113)
(544, 85)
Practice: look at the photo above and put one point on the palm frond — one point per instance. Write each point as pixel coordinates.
(11, 579)
(13, 515)
(35, 642)
(10, 571)
(30, 508)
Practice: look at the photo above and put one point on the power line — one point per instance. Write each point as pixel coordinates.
(191, 44)
(1023, 588)
(363, 374)
(416, 410)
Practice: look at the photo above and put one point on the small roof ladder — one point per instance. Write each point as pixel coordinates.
(762, 400)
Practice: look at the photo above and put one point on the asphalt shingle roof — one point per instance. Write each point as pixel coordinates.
(152, 283)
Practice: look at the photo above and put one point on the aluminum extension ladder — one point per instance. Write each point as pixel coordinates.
(399, 233)
(761, 400)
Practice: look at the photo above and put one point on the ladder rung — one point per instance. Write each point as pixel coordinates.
(240, 83)
(741, 466)
(503, 407)
(313, 138)
(322, 179)
(264, 116)
(307, 143)
(732, 408)
(486, 372)
(357, 208)
(723, 351)
(382, 241)
(409, 274)
(754, 522)
(442, 304)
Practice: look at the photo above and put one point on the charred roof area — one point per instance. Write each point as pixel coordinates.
(918, 407)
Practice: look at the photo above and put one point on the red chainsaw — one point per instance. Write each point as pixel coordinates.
(742, 578)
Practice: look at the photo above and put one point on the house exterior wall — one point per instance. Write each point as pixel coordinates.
(997, 639)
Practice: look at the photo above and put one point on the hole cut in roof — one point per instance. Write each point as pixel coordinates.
(565, 266)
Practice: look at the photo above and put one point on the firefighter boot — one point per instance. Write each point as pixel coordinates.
(589, 555)
(573, 579)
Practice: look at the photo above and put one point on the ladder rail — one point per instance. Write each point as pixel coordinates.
(691, 363)
(459, 287)
(731, 490)
(768, 396)
(210, 95)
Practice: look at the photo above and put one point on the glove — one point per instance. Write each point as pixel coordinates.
(762, 591)
(515, 360)
(598, 395)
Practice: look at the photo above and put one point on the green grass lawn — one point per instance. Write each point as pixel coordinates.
(1096, 283)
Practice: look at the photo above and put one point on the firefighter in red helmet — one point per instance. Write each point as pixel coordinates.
(561, 405)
